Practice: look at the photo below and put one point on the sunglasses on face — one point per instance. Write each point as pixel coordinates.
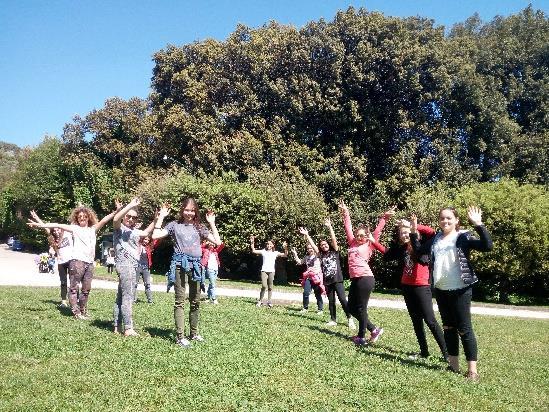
(134, 217)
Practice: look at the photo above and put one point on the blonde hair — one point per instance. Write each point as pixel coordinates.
(92, 217)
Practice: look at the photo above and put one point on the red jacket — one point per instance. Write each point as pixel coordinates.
(206, 254)
(419, 275)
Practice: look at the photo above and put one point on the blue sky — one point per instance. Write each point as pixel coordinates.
(59, 58)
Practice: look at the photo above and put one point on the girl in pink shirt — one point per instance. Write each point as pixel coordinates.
(362, 278)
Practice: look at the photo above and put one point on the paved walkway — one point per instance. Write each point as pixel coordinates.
(20, 269)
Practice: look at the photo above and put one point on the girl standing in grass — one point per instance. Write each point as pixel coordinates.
(269, 255)
(415, 283)
(126, 238)
(210, 267)
(330, 263)
(362, 278)
(187, 232)
(311, 279)
(453, 278)
(61, 241)
(84, 227)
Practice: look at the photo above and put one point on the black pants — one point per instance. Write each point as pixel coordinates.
(307, 286)
(63, 270)
(331, 290)
(359, 295)
(419, 302)
(455, 310)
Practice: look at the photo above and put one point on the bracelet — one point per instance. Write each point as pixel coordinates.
(157, 227)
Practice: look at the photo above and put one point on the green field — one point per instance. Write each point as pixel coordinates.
(253, 359)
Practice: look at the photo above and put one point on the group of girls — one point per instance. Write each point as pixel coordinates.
(427, 258)
(78, 240)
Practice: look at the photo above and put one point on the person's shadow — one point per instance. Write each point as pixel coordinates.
(161, 333)
(102, 324)
(63, 310)
(382, 351)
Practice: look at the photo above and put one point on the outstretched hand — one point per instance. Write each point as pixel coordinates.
(475, 215)
(303, 231)
(164, 210)
(413, 223)
(134, 202)
(210, 217)
(342, 206)
(285, 245)
(389, 213)
(328, 222)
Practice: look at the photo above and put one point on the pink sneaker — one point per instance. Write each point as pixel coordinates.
(375, 335)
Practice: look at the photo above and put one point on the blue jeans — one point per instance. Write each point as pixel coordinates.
(307, 286)
(211, 275)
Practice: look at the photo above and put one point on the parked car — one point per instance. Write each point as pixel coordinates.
(17, 245)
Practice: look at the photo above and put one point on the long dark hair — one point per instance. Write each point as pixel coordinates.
(184, 203)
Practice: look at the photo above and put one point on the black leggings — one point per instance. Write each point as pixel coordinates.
(419, 302)
(455, 310)
(331, 290)
(359, 295)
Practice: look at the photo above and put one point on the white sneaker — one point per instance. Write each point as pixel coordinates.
(184, 343)
(331, 323)
(63, 304)
(258, 304)
(319, 312)
(215, 302)
(351, 324)
(303, 310)
(197, 338)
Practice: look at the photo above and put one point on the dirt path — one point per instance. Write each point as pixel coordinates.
(20, 269)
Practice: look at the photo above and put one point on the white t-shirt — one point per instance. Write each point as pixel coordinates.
(269, 258)
(446, 270)
(212, 262)
(84, 243)
(64, 248)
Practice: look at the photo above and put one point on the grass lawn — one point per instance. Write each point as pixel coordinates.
(253, 359)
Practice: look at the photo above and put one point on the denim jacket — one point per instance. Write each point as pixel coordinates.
(186, 263)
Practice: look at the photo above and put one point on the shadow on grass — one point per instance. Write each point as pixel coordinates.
(102, 324)
(155, 332)
(381, 351)
(65, 311)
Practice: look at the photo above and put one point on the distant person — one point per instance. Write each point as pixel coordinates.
(330, 263)
(210, 267)
(144, 267)
(311, 279)
(110, 261)
(61, 242)
(269, 255)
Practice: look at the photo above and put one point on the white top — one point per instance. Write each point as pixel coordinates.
(446, 270)
(64, 248)
(269, 258)
(84, 243)
(212, 262)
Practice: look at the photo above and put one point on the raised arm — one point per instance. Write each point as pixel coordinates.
(149, 229)
(252, 245)
(120, 213)
(418, 247)
(333, 239)
(37, 219)
(296, 256)
(285, 247)
(381, 224)
(311, 242)
(32, 223)
(214, 235)
(344, 210)
(378, 246)
(158, 232)
(97, 227)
